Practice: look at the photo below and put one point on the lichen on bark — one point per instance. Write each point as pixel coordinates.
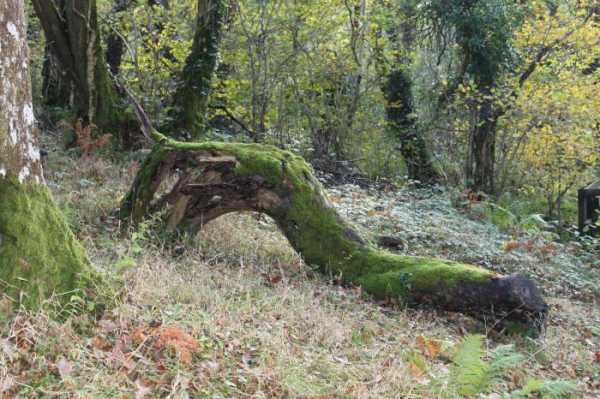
(39, 256)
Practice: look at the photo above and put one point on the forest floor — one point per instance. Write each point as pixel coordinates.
(237, 314)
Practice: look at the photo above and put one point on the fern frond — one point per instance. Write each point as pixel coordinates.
(546, 389)
(469, 374)
(503, 358)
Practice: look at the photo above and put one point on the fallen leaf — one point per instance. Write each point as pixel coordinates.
(421, 341)
(429, 347)
(142, 390)
(64, 367)
(160, 367)
(139, 335)
(511, 246)
(433, 348)
(101, 343)
(184, 356)
(415, 371)
(167, 338)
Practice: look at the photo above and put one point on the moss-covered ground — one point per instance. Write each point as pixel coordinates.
(262, 323)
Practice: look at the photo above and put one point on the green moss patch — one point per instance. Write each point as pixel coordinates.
(39, 255)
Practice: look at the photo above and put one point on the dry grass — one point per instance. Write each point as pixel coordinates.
(266, 326)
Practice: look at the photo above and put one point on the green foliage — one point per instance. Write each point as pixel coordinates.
(162, 38)
(544, 389)
(470, 374)
(473, 373)
(144, 235)
(307, 76)
(139, 236)
(512, 222)
(484, 30)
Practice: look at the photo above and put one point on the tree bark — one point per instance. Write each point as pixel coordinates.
(39, 255)
(218, 178)
(481, 159)
(399, 101)
(56, 85)
(71, 29)
(191, 98)
(399, 110)
(115, 46)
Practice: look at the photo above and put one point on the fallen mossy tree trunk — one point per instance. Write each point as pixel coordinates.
(218, 178)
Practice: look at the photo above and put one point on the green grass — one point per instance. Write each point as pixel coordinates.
(266, 325)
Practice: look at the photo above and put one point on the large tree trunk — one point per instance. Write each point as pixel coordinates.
(481, 159)
(217, 178)
(39, 255)
(399, 101)
(71, 29)
(191, 98)
(56, 85)
(399, 110)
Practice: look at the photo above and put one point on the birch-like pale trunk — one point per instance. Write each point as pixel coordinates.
(39, 256)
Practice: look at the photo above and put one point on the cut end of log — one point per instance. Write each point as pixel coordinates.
(512, 298)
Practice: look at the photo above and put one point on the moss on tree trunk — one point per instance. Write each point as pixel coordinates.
(71, 29)
(402, 124)
(191, 98)
(39, 256)
(217, 178)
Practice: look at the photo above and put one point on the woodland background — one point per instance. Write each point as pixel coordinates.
(312, 76)
(460, 129)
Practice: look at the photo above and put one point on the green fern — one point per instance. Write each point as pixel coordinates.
(553, 389)
(470, 374)
(503, 358)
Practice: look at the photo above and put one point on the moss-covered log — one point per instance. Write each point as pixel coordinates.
(217, 178)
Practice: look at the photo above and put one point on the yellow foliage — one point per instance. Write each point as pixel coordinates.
(555, 119)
